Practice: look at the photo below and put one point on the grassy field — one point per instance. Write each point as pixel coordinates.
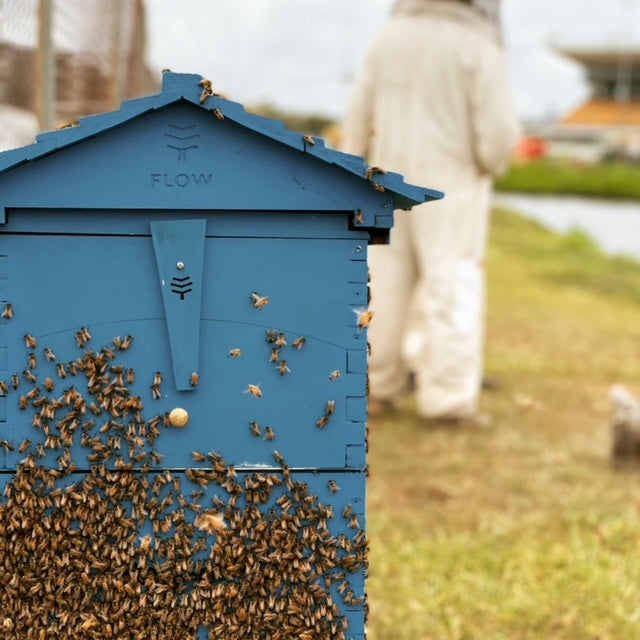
(524, 531)
(555, 176)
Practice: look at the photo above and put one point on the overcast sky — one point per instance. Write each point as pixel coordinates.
(301, 55)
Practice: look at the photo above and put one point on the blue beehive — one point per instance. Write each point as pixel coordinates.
(183, 353)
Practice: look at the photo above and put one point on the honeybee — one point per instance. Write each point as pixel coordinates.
(157, 379)
(234, 353)
(269, 433)
(258, 300)
(217, 113)
(4, 387)
(281, 341)
(254, 390)
(322, 422)
(131, 376)
(122, 344)
(331, 407)
(197, 456)
(364, 317)
(309, 140)
(24, 445)
(371, 171)
(33, 361)
(333, 486)
(29, 376)
(195, 379)
(49, 355)
(48, 384)
(7, 312)
(278, 457)
(255, 428)
(15, 381)
(210, 521)
(271, 335)
(283, 368)
(359, 217)
(334, 375)
(298, 343)
(62, 372)
(207, 89)
(109, 353)
(30, 341)
(347, 511)
(275, 355)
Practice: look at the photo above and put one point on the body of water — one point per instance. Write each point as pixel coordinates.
(614, 225)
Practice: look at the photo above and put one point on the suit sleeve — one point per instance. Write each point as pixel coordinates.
(495, 126)
(358, 122)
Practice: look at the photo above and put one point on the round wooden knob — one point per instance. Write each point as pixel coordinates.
(178, 417)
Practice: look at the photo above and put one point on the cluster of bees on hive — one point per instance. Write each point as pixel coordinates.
(107, 544)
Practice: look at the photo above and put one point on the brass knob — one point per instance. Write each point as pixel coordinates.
(178, 417)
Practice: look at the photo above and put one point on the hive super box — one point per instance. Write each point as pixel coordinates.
(183, 356)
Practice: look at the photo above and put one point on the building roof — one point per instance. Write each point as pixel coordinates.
(601, 54)
(605, 113)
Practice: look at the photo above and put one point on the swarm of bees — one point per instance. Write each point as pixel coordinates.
(110, 545)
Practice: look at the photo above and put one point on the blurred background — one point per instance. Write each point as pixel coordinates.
(574, 63)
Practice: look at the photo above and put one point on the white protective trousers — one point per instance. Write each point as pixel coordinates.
(433, 102)
(434, 268)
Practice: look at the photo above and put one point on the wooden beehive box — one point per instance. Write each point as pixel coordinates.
(183, 352)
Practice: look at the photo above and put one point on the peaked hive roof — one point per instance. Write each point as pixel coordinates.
(193, 89)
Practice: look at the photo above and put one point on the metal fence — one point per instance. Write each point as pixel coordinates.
(61, 59)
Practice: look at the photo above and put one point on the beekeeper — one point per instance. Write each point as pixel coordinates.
(433, 102)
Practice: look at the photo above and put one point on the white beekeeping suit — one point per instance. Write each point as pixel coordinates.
(434, 103)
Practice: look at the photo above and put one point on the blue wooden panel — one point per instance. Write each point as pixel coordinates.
(110, 286)
(261, 224)
(224, 165)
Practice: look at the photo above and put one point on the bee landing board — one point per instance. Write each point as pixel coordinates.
(183, 366)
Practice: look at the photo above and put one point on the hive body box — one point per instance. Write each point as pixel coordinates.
(183, 253)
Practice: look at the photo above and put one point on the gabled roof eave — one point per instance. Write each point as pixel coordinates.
(188, 88)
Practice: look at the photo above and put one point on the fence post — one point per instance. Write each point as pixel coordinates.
(45, 66)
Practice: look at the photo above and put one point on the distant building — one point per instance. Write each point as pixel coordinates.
(95, 58)
(608, 124)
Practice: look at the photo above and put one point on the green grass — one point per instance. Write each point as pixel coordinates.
(554, 176)
(522, 532)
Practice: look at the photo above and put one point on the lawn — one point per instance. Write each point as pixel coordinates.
(522, 531)
(613, 179)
